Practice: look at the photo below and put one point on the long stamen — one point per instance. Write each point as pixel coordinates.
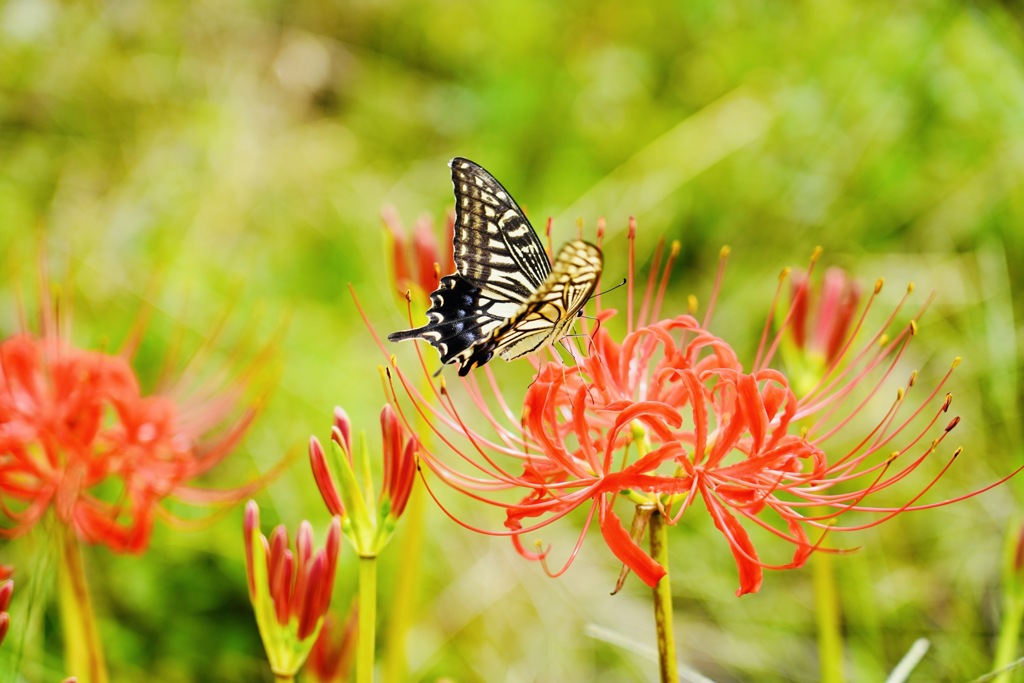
(764, 356)
(723, 257)
(649, 288)
(631, 236)
(672, 255)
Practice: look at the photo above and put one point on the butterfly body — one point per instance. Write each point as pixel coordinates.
(505, 297)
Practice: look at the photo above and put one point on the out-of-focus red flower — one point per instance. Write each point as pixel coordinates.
(1017, 565)
(669, 416)
(818, 323)
(420, 262)
(399, 463)
(821, 317)
(368, 525)
(79, 437)
(331, 658)
(6, 591)
(290, 590)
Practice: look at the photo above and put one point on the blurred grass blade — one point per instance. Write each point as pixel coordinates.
(909, 662)
(992, 675)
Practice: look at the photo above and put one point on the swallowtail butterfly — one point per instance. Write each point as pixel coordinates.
(505, 296)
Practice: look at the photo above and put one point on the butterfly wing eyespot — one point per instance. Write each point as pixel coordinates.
(505, 296)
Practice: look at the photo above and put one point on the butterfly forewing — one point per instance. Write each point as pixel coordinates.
(504, 297)
(496, 248)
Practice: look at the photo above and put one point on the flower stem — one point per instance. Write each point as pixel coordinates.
(826, 614)
(367, 618)
(283, 677)
(1013, 604)
(82, 648)
(1009, 635)
(404, 595)
(663, 602)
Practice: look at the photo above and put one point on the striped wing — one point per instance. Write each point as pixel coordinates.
(496, 248)
(458, 319)
(549, 312)
(504, 297)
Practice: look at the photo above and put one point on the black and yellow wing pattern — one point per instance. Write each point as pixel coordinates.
(504, 296)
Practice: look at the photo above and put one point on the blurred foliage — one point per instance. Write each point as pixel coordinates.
(197, 158)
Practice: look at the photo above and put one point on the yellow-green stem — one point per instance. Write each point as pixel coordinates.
(404, 596)
(82, 648)
(367, 619)
(1009, 636)
(283, 677)
(663, 602)
(826, 611)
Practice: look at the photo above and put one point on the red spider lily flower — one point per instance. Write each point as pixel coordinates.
(334, 650)
(79, 436)
(670, 416)
(289, 590)
(6, 591)
(418, 264)
(368, 531)
(399, 464)
(341, 433)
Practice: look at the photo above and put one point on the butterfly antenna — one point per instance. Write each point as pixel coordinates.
(610, 289)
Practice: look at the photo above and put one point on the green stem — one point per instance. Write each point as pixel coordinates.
(404, 596)
(367, 619)
(1009, 636)
(283, 677)
(663, 602)
(826, 612)
(82, 648)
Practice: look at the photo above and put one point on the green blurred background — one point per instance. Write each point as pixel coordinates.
(223, 156)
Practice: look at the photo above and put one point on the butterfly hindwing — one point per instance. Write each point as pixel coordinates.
(504, 297)
(457, 319)
(549, 312)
